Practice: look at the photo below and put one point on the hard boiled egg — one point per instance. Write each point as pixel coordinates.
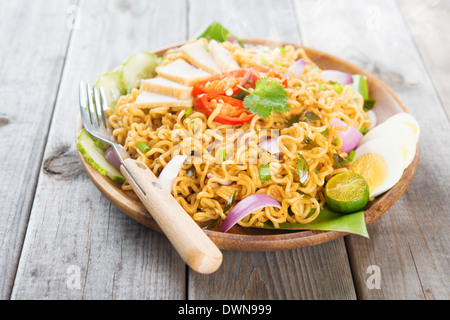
(381, 163)
(400, 133)
(408, 119)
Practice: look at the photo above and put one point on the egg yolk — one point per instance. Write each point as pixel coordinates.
(413, 127)
(373, 168)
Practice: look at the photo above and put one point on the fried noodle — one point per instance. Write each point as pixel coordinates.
(204, 193)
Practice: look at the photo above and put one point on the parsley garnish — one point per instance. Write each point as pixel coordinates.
(269, 96)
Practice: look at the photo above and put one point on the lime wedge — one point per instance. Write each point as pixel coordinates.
(347, 192)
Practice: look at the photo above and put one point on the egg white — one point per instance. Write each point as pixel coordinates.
(399, 133)
(392, 156)
(408, 119)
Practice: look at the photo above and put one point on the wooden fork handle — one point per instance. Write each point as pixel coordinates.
(191, 242)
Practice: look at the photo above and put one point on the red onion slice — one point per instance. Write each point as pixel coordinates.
(231, 38)
(350, 138)
(270, 145)
(247, 206)
(337, 76)
(170, 172)
(112, 157)
(298, 67)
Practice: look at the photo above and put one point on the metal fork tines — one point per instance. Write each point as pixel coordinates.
(92, 109)
(92, 102)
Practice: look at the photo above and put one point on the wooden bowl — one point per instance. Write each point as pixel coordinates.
(255, 239)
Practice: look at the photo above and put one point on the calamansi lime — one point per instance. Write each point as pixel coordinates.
(347, 192)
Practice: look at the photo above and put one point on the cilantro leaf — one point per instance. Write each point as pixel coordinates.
(269, 96)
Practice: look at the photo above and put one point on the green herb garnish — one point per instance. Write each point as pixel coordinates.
(188, 112)
(230, 202)
(211, 224)
(302, 169)
(292, 120)
(310, 144)
(310, 116)
(369, 104)
(219, 33)
(269, 96)
(339, 161)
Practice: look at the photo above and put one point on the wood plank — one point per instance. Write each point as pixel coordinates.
(77, 245)
(296, 274)
(33, 47)
(301, 274)
(410, 243)
(429, 22)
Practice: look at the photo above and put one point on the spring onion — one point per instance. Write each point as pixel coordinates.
(264, 173)
(143, 147)
(351, 156)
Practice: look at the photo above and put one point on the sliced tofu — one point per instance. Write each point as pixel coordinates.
(151, 100)
(182, 72)
(197, 54)
(222, 57)
(167, 87)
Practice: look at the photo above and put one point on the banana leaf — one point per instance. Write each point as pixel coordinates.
(329, 220)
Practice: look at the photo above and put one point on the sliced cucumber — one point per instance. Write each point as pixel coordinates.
(360, 85)
(102, 145)
(95, 156)
(112, 85)
(139, 66)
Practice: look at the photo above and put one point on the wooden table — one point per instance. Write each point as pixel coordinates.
(61, 239)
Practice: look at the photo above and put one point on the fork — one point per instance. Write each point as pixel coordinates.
(191, 242)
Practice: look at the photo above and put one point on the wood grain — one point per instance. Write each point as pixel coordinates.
(413, 260)
(427, 21)
(33, 45)
(73, 231)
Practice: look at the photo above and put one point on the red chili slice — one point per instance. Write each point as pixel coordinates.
(232, 111)
(263, 71)
(224, 84)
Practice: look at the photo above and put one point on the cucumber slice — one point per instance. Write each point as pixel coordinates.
(360, 85)
(139, 66)
(96, 157)
(111, 83)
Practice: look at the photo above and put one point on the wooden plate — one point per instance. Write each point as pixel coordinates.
(254, 239)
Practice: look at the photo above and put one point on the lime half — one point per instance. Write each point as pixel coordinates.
(347, 192)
